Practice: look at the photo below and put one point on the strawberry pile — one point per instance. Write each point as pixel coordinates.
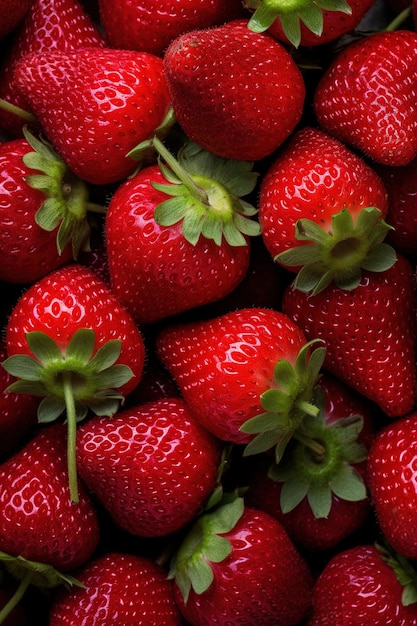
(208, 237)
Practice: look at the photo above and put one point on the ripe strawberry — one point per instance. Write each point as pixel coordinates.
(371, 106)
(138, 26)
(48, 25)
(110, 101)
(70, 341)
(12, 13)
(392, 483)
(246, 372)
(321, 211)
(237, 566)
(152, 466)
(237, 93)
(362, 585)
(170, 254)
(123, 589)
(318, 492)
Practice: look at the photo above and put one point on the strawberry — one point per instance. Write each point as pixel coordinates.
(369, 333)
(248, 375)
(179, 239)
(152, 466)
(368, 106)
(123, 589)
(12, 13)
(70, 342)
(48, 25)
(112, 100)
(138, 26)
(236, 566)
(318, 492)
(321, 211)
(364, 585)
(392, 479)
(237, 93)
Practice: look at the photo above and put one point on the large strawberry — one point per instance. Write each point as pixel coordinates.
(237, 566)
(178, 237)
(70, 341)
(123, 589)
(321, 211)
(369, 333)
(368, 105)
(237, 93)
(95, 105)
(152, 466)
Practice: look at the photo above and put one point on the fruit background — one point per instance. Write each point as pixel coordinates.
(208, 230)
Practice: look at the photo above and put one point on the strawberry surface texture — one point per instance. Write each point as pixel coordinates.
(208, 313)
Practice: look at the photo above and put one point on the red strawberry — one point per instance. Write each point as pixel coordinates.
(70, 341)
(361, 585)
(139, 26)
(370, 105)
(12, 13)
(237, 93)
(369, 333)
(392, 483)
(237, 566)
(318, 492)
(122, 589)
(171, 254)
(321, 211)
(48, 25)
(151, 466)
(245, 372)
(110, 101)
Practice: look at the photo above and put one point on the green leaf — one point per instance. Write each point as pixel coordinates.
(200, 574)
(263, 422)
(217, 549)
(43, 347)
(312, 16)
(335, 5)
(347, 484)
(81, 346)
(106, 355)
(49, 214)
(170, 211)
(225, 518)
(32, 388)
(320, 499)
(114, 377)
(380, 258)
(23, 366)
(261, 443)
(50, 408)
(104, 406)
(293, 491)
(290, 23)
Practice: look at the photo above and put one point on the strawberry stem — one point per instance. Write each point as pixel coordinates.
(16, 597)
(307, 407)
(398, 20)
(72, 434)
(312, 444)
(13, 108)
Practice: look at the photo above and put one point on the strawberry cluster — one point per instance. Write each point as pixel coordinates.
(208, 232)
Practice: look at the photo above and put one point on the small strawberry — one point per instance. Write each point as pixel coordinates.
(365, 585)
(321, 211)
(178, 237)
(110, 101)
(70, 342)
(237, 566)
(392, 483)
(12, 13)
(152, 466)
(368, 105)
(123, 589)
(369, 333)
(237, 93)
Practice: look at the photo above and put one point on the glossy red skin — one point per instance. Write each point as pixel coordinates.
(56, 25)
(314, 177)
(154, 271)
(264, 580)
(12, 13)
(369, 105)
(71, 298)
(237, 93)
(392, 477)
(37, 518)
(119, 589)
(152, 466)
(223, 365)
(306, 531)
(95, 105)
(369, 334)
(357, 587)
(138, 25)
(20, 236)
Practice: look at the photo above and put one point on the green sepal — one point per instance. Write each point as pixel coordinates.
(403, 569)
(340, 255)
(42, 575)
(144, 152)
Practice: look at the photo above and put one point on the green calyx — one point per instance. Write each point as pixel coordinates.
(203, 545)
(206, 195)
(66, 203)
(404, 571)
(340, 255)
(287, 405)
(291, 13)
(70, 382)
(320, 463)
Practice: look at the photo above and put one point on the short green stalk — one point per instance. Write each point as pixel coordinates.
(17, 596)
